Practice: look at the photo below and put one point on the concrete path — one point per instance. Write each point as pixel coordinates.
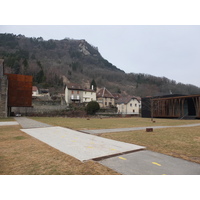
(150, 163)
(8, 123)
(80, 145)
(100, 131)
(29, 123)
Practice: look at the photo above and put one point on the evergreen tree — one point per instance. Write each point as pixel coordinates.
(94, 85)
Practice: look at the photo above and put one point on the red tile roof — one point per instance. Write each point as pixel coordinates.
(127, 99)
(103, 92)
(34, 88)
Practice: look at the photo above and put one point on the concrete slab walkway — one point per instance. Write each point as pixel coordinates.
(80, 145)
(29, 123)
(100, 131)
(8, 123)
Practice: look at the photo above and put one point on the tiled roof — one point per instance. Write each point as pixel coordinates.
(103, 92)
(34, 88)
(127, 99)
(74, 86)
(116, 95)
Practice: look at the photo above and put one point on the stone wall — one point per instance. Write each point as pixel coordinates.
(3, 91)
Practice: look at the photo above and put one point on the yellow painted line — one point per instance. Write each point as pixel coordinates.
(164, 174)
(122, 158)
(90, 147)
(113, 149)
(155, 163)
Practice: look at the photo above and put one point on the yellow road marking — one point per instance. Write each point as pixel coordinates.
(122, 158)
(90, 147)
(155, 163)
(113, 149)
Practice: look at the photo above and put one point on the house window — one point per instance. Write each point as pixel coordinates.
(105, 103)
(135, 105)
(133, 111)
(77, 92)
(72, 92)
(130, 104)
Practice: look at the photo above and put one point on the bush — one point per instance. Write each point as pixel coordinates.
(92, 107)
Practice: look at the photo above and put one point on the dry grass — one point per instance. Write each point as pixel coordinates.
(178, 142)
(108, 123)
(6, 119)
(23, 154)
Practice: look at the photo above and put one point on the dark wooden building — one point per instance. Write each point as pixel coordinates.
(171, 106)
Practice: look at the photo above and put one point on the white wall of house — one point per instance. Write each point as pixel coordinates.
(106, 102)
(89, 96)
(35, 93)
(73, 96)
(132, 107)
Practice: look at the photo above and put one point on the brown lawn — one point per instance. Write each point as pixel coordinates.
(22, 154)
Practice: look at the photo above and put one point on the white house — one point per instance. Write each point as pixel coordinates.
(35, 91)
(74, 93)
(89, 95)
(128, 105)
(105, 98)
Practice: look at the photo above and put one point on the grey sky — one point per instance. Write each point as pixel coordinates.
(161, 50)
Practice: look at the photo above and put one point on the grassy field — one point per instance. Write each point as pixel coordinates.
(6, 119)
(106, 123)
(24, 155)
(178, 142)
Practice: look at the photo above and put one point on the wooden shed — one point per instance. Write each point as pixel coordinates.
(174, 106)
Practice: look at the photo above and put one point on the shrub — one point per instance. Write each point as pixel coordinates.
(92, 107)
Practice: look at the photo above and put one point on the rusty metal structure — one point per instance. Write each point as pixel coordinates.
(172, 107)
(19, 90)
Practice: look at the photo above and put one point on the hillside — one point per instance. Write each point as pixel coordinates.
(53, 63)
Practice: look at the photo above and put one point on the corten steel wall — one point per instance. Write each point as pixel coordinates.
(19, 90)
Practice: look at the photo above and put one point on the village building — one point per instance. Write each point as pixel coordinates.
(89, 95)
(74, 93)
(105, 98)
(35, 91)
(128, 105)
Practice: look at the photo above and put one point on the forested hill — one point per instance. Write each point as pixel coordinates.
(54, 63)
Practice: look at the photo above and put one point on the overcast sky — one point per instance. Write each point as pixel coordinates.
(120, 30)
(160, 50)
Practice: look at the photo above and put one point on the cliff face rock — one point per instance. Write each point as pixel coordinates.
(83, 49)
